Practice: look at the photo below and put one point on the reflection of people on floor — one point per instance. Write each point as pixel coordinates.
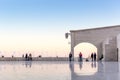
(71, 66)
(28, 63)
(101, 65)
(80, 65)
(93, 64)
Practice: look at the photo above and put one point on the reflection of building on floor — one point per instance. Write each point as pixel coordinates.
(108, 71)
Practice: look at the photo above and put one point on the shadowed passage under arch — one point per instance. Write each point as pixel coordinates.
(86, 49)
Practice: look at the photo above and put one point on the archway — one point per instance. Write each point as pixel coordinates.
(86, 49)
(97, 36)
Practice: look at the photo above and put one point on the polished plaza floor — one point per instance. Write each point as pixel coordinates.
(59, 70)
(97, 71)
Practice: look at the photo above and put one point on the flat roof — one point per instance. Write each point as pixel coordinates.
(95, 28)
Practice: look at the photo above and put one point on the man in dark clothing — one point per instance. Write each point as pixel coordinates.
(26, 57)
(94, 56)
(70, 57)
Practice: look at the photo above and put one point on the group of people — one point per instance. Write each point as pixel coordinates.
(80, 57)
(28, 57)
(93, 57)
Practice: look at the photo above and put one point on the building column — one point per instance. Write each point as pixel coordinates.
(72, 51)
(72, 45)
(99, 51)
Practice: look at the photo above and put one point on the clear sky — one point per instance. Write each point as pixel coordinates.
(38, 26)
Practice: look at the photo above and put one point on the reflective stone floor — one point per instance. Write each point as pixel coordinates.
(56, 70)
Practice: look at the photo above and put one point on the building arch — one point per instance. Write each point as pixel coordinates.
(86, 49)
(98, 36)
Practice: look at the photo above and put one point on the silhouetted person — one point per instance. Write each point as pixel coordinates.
(39, 56)
(23, 56)
(70, 57)
(80, 56)
(101, 57)
(2, 56)
(12, 56)
(26, 57)
(86, 60)
(92, 56)
(30, 57)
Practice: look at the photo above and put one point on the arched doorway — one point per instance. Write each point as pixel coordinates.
(86, 49)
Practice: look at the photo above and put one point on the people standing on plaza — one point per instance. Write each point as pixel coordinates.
(70, 56)
(26, 57)
(23, 56)
(80, 56)
(92, 56)
(30, 57)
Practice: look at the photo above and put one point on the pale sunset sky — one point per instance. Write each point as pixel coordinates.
(39, 26)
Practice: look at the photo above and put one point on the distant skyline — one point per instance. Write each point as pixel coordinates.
(38, 26)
